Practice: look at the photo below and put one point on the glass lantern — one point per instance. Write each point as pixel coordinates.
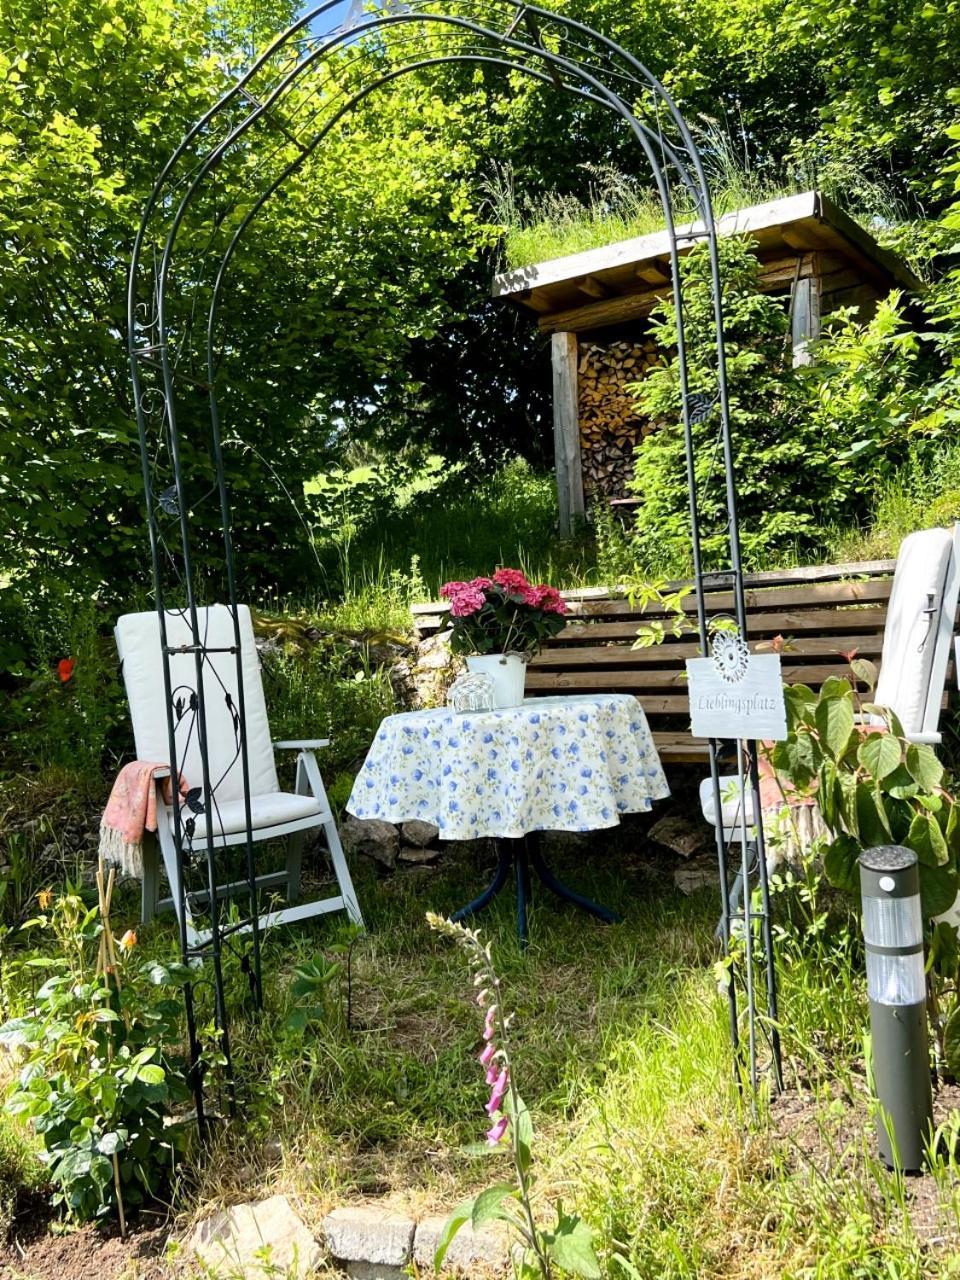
(472, 692)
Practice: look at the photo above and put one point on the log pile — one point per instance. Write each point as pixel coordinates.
(609, 424)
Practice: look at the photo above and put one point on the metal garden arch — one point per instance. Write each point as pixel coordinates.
(318, 80)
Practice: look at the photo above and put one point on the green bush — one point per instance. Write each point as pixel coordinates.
(811, 445)
(100, 1073)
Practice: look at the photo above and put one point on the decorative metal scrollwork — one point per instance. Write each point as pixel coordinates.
(730, 655)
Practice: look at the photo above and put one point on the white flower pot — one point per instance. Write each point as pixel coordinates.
(507, 671)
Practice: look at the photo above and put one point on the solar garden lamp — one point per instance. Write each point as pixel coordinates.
(896, 987)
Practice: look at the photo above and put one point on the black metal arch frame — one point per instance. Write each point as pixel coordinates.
(167, 355)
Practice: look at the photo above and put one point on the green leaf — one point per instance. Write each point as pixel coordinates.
(865, 670)
(111, 1143)
(571, 1247)
(951, 1043)
(840, 863)
(151, 1074)
(523, 1129)
(943, 953)
(880, 754)
(460, 1215)
(923, 766)
(834, 721)
(938, 890)
(486, 1205)
(872, 818)
(926, 840)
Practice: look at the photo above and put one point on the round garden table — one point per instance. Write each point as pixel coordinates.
(551, 764)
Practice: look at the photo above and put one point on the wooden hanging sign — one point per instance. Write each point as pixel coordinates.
(735, 693)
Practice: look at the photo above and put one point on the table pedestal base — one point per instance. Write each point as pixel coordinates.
(519, 856)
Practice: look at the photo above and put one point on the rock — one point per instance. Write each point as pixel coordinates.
(472, 1253)
(696, 874)
(414, 856)
(369, 1234)
(682, 836)
(374, 1271)
(371, 837)
(419, 833)
(433, 670)
(261, 1239)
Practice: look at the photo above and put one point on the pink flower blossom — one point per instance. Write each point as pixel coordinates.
(492, 1073)
(550, 600)
(488, 1051)
(511, 580)
(489, 1023)
(496, 1133)
(464, 597)
(499, 1089)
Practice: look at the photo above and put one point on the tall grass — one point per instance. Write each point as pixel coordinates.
(616, 207)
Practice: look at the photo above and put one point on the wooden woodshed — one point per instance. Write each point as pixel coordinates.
(596, 304)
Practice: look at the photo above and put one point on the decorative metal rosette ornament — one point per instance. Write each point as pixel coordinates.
(730, 655)
(472, 692)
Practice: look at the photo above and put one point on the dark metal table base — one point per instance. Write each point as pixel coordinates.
(519, 856)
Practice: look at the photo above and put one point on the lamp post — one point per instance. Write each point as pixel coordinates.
(896, 986)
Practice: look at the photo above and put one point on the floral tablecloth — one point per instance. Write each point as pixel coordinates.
(552, 764)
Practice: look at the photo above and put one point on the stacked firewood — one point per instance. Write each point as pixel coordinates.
(610, 426)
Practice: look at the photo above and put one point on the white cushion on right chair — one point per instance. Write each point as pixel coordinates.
(910, 633)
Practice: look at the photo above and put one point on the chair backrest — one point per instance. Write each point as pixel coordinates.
(918, 633)
(138, 643)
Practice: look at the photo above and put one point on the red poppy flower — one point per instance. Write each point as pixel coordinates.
(65, 669)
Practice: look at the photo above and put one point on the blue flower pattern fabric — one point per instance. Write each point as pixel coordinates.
(553, 764)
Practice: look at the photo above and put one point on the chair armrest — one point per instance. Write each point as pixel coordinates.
(305, 744)
(160, 774)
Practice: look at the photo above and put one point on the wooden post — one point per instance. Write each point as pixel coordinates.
(806, 318)
(566, 430)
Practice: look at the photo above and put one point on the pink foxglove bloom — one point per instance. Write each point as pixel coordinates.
(499, 1089)
(487, 1056)
(492, 1072)
(489, 1026)
(496, 1133)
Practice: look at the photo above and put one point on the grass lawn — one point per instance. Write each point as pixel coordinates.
(622, 1054)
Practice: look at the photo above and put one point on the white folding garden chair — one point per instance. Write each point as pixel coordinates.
(274, 813)
(917, 638)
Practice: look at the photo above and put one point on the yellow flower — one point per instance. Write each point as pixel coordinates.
(129, 940)
(45, 898)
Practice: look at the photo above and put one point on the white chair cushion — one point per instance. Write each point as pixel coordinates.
(138, 640)
(730, 802)
(910, 634)
(265, 811)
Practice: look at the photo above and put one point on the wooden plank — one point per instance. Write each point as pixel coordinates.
(768, 577)
(592, 287)
(566, 431)
(824, 621)
(856, 235)
(627, 253)
(805, 319)
(816, 594)
(676, 678)
(659, 655)
(598, 315)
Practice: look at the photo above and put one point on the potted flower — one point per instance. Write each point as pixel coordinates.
(499, 623)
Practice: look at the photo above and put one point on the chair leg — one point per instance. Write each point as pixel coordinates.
(311, 773)
(295, 841)
(168, 849)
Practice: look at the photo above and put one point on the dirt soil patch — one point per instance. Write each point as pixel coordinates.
(35, 1251)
